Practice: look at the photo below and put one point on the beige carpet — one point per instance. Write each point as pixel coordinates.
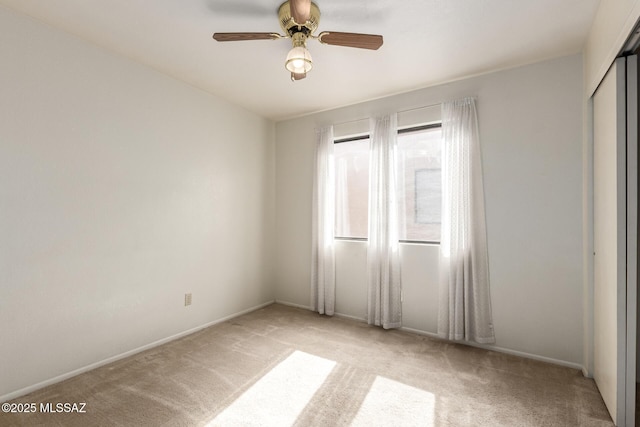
(283, 366)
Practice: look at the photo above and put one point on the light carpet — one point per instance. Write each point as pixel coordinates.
(282, 366)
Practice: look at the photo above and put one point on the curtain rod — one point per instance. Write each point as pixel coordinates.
(399, 112)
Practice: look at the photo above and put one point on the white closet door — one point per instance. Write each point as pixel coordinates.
(609, 239)
(632, 238)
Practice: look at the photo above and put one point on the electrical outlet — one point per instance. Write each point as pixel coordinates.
(187, 299)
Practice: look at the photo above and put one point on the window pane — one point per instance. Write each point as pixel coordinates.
(352, 188)
(419, 162)
(428, 196)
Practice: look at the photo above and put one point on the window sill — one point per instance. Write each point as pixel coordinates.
(404, 242)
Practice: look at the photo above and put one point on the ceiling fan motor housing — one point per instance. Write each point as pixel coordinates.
(290, 27)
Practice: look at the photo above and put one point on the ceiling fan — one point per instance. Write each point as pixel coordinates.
(299, 19)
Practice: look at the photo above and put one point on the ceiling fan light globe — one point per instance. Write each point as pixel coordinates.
(299, 60)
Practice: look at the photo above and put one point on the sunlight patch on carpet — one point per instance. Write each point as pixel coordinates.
(390, 403)
(278, 398)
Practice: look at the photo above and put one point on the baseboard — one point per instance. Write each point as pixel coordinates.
(87, 368)
(354, 318)
(526, 355)
(292, 304)
(306, 307)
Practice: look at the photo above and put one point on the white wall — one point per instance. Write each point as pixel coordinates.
(531, 131)
(121, 189)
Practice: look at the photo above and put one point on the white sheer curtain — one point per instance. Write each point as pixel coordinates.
(323, 282)
(383, 259)
(465, 301)
(343, 224)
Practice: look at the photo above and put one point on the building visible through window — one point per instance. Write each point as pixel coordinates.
(419, 184)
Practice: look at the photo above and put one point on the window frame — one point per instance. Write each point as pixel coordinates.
(362, 137)
(412, 129)
(356, 137)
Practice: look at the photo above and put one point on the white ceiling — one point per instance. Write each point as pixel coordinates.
(426, 42)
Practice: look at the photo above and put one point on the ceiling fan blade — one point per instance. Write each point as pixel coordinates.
(298, 76)
(300, 10)
(234, 37)
(361, 41)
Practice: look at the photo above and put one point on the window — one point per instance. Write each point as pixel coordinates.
(419, 180)
(352, 187)
(420, 175)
